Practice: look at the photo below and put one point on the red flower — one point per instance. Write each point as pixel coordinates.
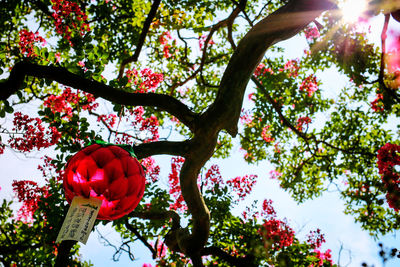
(175, 188)
(266, 135)
(27, 40)
(29, 193)
(243, 185)
(213, 177)
(303, 121)
(68, 16)
(309, 85)
(268, 210)
(388, 158)
(146, 80)
(315, 239)
(276, 234)
(293, 67)
(261, 70)
(33, 133)
(377, 105)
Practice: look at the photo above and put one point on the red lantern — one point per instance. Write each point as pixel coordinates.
(109, 173)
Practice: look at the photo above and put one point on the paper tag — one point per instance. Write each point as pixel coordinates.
(80, 219)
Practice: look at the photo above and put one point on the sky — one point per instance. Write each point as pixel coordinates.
(325, 212)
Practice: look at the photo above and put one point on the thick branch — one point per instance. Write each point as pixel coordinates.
(63, 76)
(145, 150)
(64, 251)
(225, 111)
(159, 215)
(280, 25)
(142, 37)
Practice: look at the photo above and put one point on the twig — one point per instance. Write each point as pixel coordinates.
(141, 238)
(142, 37)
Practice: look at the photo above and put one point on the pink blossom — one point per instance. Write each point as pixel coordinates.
(274, 174)
(293, 67)
(309, 85)
(311, 33)
(266, 134)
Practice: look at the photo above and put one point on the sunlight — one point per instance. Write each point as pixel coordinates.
(352, 9)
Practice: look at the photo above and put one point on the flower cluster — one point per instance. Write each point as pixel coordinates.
(33, 133)
(274, 174)
(68, 16)
(27, 40)
(65, 102)
(315, 239)
(145, 125)
(292, 66)
(150, 80)
(261, 70)
(29, 193)
(175, 188)
(246, 117)
(151, 169)
(268, 210)
(146, 80)
(309, 85)
(202, 40)
(276, 234)
(164, 38)
(266, 134)
(49, 169)
(109, 120)
(303, 121)
(243, 185)
(388, 158)
(326, 256)
(311, 33)
(213, 176)
(377, 105)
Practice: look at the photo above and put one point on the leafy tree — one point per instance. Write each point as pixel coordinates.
(186, 65)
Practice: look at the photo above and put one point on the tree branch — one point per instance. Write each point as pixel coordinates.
(61, 75)
(145, 150)
(223, 23)
(141, 238)
(284, 23)
(159, 215)
(278, 109)
(118, 250)
(63, 254)
(142, 37)
(225, 111)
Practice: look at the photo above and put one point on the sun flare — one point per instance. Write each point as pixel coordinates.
(352, 9)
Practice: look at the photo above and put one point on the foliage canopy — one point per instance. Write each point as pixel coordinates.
(170, 77)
